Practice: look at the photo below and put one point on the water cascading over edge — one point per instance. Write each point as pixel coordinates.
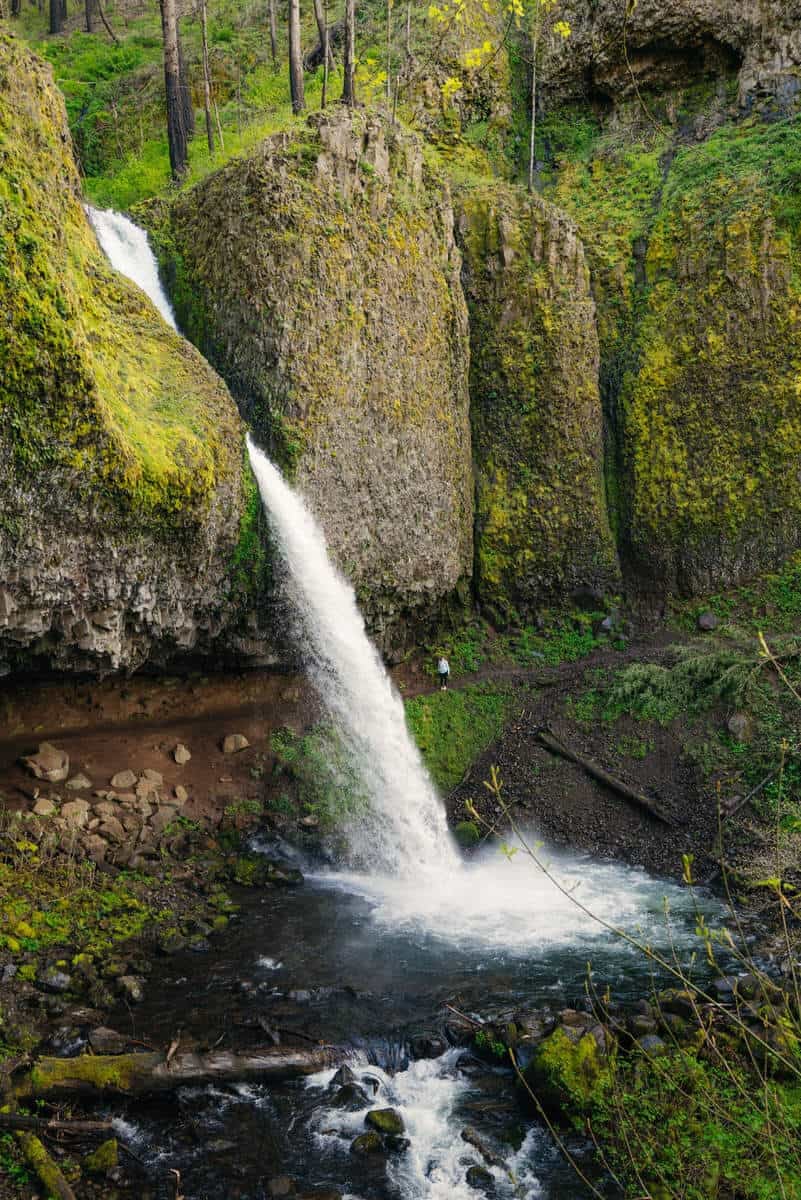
(401, 827)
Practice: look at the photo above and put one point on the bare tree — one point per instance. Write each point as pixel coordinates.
(206, 77)
(349, 61)
(296, 88)
(176, 130)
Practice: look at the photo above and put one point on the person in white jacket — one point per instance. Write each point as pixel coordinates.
(443, 670)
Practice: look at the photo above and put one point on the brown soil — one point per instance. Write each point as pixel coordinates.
(563, 805)
(115, 724)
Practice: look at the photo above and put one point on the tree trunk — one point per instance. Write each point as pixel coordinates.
(95, 1075)
(186, 91)
(44, 1167)
(63, 10)
(349, 63)
(176, 130)
(295, 60)
(106, 25)
(389, 50)
(89, 11)
(206, 77)
(15, 7)
(55, 16)
(535, 45)
(273, 33)
(319, 16)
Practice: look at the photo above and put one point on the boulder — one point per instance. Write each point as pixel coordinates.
(107, 1041)
(181, 754)
(154, 777)
(123, 780)
(79, 783)
(350, 1096)
(132, 988)
(49, 763)
(367, 1144)
(707, 622)
(44, 807)
(53, 979)
(181, 795)
(385, 1120)
(76, 813)
(234, 742)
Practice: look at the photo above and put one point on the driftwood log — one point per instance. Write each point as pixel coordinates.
(551, 742)
(47, 1125)
(91, 1076)
(43, 1167)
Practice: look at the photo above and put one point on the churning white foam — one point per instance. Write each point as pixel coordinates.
(434, 1166)
(128, 250)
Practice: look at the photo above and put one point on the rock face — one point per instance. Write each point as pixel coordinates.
(122, 492)
(712, 416)
(331, 303)
(617, 49)
(541, 524)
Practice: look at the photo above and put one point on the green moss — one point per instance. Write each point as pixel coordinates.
(103, 1159)
(140, 421)
(453, 727)
(541, 525)
(41, 1163)
(467, 834)
(567, 1076)
(111, 1073)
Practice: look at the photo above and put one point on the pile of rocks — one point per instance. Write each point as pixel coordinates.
(124, 823)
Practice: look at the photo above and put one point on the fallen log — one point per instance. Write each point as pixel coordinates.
(91, 1076)
(44, 1168)
(732, 811)
(47, 1125)
(556, 746)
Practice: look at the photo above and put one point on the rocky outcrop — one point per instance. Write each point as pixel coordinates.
(616, 49)
(124, 511)
(320, 275)
(541, 524)
(711, 416)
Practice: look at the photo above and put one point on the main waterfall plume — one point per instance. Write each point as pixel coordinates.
(403, 827)
(400, 827)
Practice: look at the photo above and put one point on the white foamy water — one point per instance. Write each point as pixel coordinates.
(426, 1095)
(514, 907)
(128, 250)
(404, 830)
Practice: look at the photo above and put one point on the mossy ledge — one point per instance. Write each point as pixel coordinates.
(121, 500)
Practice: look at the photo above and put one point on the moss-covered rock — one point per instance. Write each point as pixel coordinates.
(711, 410)
(541, 523)
(121, 494)
(566, 1073)
(103, 1159)
(321, 277)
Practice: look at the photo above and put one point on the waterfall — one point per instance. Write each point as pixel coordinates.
(401, 827)
(128, 250)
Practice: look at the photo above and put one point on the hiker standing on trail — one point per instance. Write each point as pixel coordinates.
(443, 670)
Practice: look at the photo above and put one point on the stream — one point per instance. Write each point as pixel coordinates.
(368, 955)
(369, 963)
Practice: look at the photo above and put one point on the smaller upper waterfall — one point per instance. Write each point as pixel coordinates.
(403, 830)
(128, 250)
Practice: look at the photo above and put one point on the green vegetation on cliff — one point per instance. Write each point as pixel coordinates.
(95, 385)
(541, 525)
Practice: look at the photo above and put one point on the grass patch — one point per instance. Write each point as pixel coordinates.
(452, 728)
